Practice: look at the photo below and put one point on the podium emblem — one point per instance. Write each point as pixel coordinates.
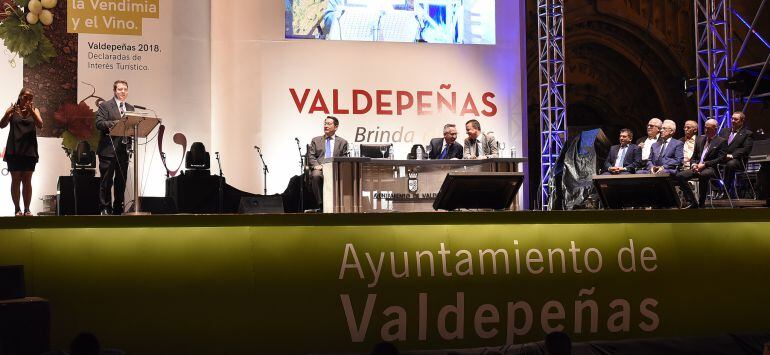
(412, 182)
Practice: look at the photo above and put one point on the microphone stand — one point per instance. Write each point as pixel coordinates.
(221, 177)
(264, 167)
(302, 180)
(163, 158)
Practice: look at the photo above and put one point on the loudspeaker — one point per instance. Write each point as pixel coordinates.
(25, 326)
(78, 195)
(637, 191)
(12, 282)
(493, 190)
(261, 204)
(158, 205)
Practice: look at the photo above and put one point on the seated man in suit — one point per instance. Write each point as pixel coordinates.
(478, 145)
(322, 147)
(739, 144)
(709, 151)
(623, 157)
(665, 157)
(645, 143)
(447, 147)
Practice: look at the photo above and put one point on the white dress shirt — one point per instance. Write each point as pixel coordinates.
(647, 146)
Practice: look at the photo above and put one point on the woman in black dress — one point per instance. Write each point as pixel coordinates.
(21, 149)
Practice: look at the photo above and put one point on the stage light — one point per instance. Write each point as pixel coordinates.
(83, 160)
(197, 159)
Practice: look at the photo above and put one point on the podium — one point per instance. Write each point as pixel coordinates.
(135, 124)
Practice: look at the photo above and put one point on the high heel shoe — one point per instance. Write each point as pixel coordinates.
(18, 213)
(27, 213)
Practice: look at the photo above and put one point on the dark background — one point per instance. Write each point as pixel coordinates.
(626, 63)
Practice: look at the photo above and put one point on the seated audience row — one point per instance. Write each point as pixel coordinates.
(690, 157)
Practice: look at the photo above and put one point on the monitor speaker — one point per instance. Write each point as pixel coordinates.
(261, 204)
(483, 190)
(78, 195)
(637, 191)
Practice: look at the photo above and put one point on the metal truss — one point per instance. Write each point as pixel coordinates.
(742, 101)
(713, 60)
(553, 104)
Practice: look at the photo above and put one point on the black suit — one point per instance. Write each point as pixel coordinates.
(631, 160)
(740, 148)
(715, 154)
(453, 151)
(113, 157)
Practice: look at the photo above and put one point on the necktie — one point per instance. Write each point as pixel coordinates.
(662, 150)
(730, 139)
(122, 109)
(328, 148)
(621, 156)
(444, 152)
(705, 151)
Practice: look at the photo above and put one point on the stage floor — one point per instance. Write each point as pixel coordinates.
(721, 212)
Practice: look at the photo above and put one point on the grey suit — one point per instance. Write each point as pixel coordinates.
(317, 149)
(113, 157)
(315, 156)
(485, 143)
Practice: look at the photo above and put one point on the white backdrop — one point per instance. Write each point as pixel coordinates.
(224, 74)
(253, 68)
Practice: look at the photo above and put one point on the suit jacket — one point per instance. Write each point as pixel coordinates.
(317, 150)
(106, 117)
(632, 159)
(488, 146)
(715, 154)
(453, 151)
(741, 145)
(672, 157)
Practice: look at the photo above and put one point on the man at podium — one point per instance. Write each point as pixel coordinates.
(113, 151)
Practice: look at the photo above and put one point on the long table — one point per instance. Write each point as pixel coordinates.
(356, 185)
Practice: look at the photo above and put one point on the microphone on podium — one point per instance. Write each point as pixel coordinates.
(140, 107)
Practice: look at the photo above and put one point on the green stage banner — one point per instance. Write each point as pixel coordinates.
(338, 288)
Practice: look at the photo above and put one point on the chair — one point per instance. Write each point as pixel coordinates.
(748, 173)
(745, 175)
(719, 180)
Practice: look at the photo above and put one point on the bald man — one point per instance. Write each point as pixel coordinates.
(709, 151)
